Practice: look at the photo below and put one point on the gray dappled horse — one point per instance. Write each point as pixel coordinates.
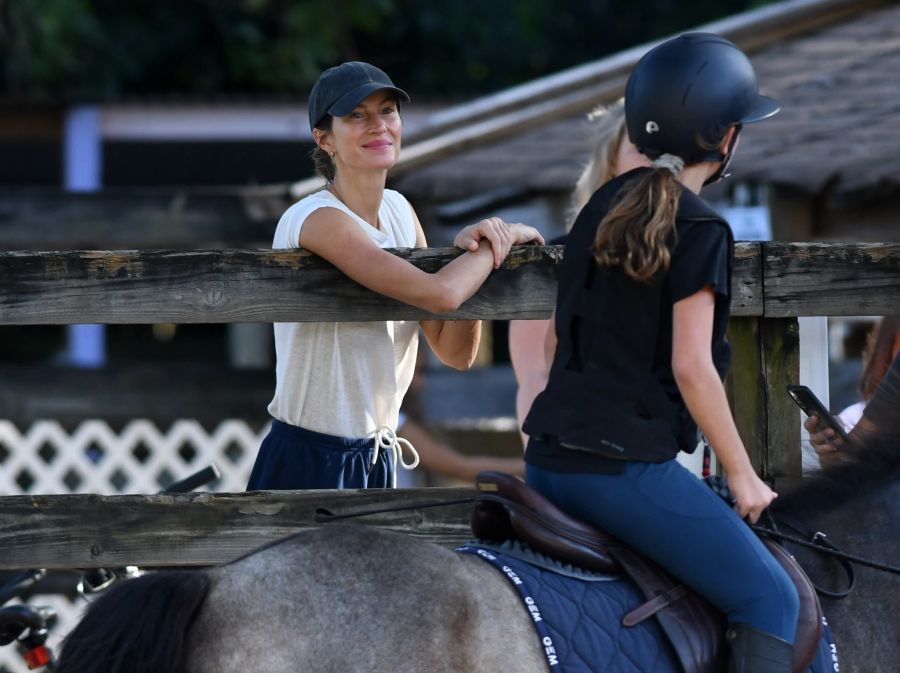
(348, 599)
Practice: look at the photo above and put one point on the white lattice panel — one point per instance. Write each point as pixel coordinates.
(139, 459)
(46, 459)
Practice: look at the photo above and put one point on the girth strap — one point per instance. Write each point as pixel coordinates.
(651, 607)
(695, 628)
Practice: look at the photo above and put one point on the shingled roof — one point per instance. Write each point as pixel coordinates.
(839, 86)
(840, 119)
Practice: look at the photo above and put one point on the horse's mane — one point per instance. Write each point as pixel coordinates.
(138, 626)
(872, 467)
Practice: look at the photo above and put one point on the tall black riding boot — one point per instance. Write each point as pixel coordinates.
(755, 651)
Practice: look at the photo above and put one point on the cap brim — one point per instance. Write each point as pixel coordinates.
(348, 102)
(763, 108)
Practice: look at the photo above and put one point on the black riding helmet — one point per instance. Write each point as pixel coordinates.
(683, 95)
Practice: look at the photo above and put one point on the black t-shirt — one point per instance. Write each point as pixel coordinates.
(611, 394)
(559, 240)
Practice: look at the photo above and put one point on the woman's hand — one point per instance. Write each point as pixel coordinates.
(752, 495)
(522, 234)
(500, 235)
(497, 232)
(825, 441)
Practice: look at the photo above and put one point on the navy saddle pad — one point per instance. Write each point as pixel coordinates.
(578, 616)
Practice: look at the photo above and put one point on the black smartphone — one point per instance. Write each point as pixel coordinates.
(811, 405)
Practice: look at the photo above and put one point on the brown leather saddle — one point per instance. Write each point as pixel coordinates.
(506, 508)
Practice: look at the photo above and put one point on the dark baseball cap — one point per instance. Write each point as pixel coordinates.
(341, 88)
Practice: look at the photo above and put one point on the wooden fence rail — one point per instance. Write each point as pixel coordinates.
(774, 283)
(89, 531)
(242, 286)
(771, 280)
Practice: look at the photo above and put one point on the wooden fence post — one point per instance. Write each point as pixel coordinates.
(746, 387)
(766, 358)
(780, 342)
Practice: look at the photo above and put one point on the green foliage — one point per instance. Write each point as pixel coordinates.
(104, 48)
(468, 46)
(99, 48)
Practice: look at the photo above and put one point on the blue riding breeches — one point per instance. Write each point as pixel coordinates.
(671, 516)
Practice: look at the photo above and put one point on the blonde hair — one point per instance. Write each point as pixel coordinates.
(608, 133)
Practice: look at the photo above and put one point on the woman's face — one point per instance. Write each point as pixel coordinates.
(368, 137)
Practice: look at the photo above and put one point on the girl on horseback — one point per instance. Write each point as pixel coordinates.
(641, 313)
(339, 385)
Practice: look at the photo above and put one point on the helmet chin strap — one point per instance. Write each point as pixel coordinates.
(725, 161)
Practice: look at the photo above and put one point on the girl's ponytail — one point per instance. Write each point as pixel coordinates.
(634, 233)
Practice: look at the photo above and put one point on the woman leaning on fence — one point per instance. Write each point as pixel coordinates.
(339, 385)
(641, 312)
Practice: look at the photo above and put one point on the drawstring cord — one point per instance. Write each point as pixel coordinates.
(386, 439)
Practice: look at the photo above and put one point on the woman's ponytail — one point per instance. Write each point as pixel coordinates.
(635, 231)
(322, 161)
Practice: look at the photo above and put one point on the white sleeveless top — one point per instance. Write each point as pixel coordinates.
(345, 378)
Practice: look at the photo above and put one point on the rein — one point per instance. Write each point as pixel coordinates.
(325, 514)
(819, 542)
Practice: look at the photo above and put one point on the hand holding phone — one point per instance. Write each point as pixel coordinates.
(812, 406)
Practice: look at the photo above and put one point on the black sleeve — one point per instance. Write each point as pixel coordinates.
(881, 410)
(701, 257)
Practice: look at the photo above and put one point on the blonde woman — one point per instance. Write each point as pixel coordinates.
(530, 352)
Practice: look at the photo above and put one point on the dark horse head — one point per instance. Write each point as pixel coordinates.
(856, 503)
(871, 460)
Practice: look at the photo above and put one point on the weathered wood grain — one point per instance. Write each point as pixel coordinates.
(780, 347)
(205, 286)
(746, 388)
(263, 285)
(244, 286)
(765, 359)
(84, 531)
(746, 282)
(808, 279)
